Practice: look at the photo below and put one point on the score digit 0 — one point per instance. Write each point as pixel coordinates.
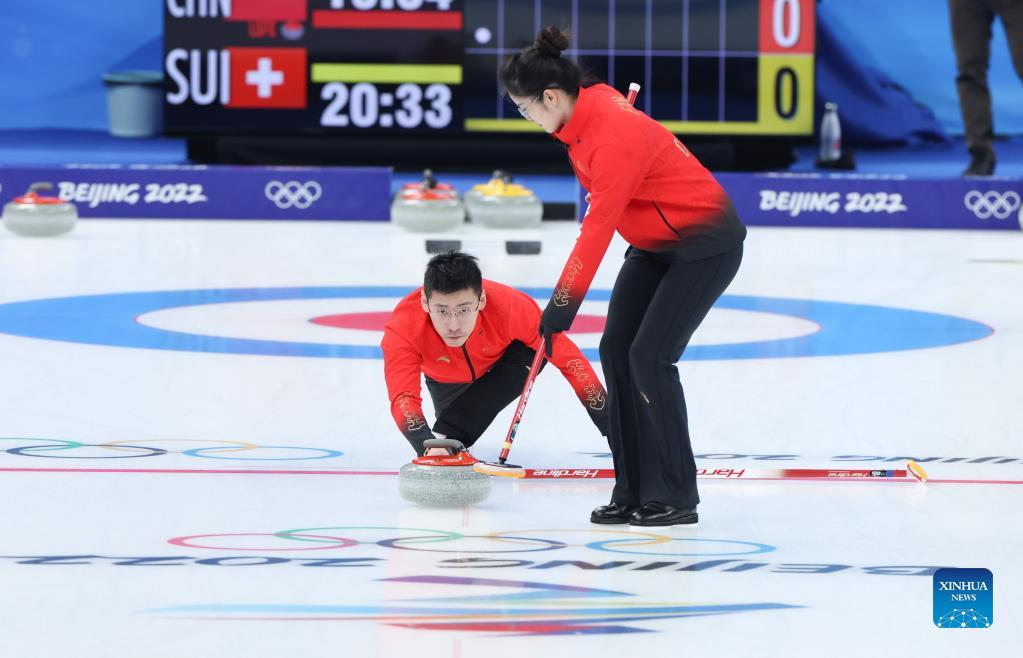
(785, 103)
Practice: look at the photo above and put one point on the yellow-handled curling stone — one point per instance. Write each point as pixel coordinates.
(501, 203)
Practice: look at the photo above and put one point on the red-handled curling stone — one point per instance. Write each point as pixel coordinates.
(39, 215)
(427, 206)
(443, 480)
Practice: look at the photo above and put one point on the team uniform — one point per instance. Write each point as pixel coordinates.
(471, 384)
(686, 246)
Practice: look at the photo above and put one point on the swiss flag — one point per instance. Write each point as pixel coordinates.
(268, 77)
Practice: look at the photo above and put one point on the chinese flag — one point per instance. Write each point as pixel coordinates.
(269, 10)
(268, 77)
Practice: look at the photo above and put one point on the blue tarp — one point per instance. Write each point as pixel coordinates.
(874, 109)
(53, 54)
(909, 43)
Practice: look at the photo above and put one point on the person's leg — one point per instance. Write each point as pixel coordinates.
(466, 416)
(632, 292)
(1011, 14)
(682, 301)
(971, 36)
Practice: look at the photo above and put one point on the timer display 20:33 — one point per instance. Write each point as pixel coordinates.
(365, 105)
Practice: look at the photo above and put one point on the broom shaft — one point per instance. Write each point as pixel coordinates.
(633, 92)
(533, 370)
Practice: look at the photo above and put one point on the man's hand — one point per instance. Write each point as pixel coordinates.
(431, 452)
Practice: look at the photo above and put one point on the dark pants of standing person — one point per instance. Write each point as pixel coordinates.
(465, 411)
(657, 303)
(971, 36)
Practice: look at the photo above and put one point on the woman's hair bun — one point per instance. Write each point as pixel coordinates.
(550, 41)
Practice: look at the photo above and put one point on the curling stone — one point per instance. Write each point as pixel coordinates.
(500, 203)
(443, 480)
(38, 215)
(427, 206)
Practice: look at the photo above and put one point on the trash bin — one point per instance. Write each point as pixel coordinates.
(134, 103)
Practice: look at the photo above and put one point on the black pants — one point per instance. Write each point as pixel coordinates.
(971, 36)
(657, 303)
(465, 411)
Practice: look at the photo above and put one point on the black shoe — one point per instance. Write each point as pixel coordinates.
(982, 161)
(613, 513)
(654, 513)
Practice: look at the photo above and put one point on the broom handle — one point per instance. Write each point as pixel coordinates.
(538, 359)
(633, 92)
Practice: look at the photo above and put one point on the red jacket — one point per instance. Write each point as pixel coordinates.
(643, 183)
(412, 346)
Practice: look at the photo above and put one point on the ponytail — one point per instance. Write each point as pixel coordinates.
(541, 66)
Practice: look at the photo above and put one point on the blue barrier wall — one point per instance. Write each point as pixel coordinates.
(201, 192)
(53, 54)
(872, 201)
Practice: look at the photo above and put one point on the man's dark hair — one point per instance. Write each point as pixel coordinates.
(451, 272)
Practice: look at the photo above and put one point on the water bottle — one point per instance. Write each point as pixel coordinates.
(831, 134)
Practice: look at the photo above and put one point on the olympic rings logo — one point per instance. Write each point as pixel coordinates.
(68, 449)
(293, 194)
(629, 542)
(992, 203)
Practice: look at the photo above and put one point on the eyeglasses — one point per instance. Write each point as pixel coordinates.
(459, 313)
(523, 110)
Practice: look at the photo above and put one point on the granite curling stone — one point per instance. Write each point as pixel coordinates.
(500, 203)
(39, 215)
(443, 480)
(427, 206)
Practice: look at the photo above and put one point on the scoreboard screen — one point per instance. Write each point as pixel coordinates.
(726, 67)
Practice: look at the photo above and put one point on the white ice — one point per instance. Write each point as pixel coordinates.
(775, 568)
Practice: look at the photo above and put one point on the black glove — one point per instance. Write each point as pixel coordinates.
(548, 339)
(553, 321)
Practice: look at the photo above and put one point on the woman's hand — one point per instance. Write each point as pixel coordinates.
(548, 339)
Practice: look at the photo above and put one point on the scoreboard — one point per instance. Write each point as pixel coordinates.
(726, 67)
